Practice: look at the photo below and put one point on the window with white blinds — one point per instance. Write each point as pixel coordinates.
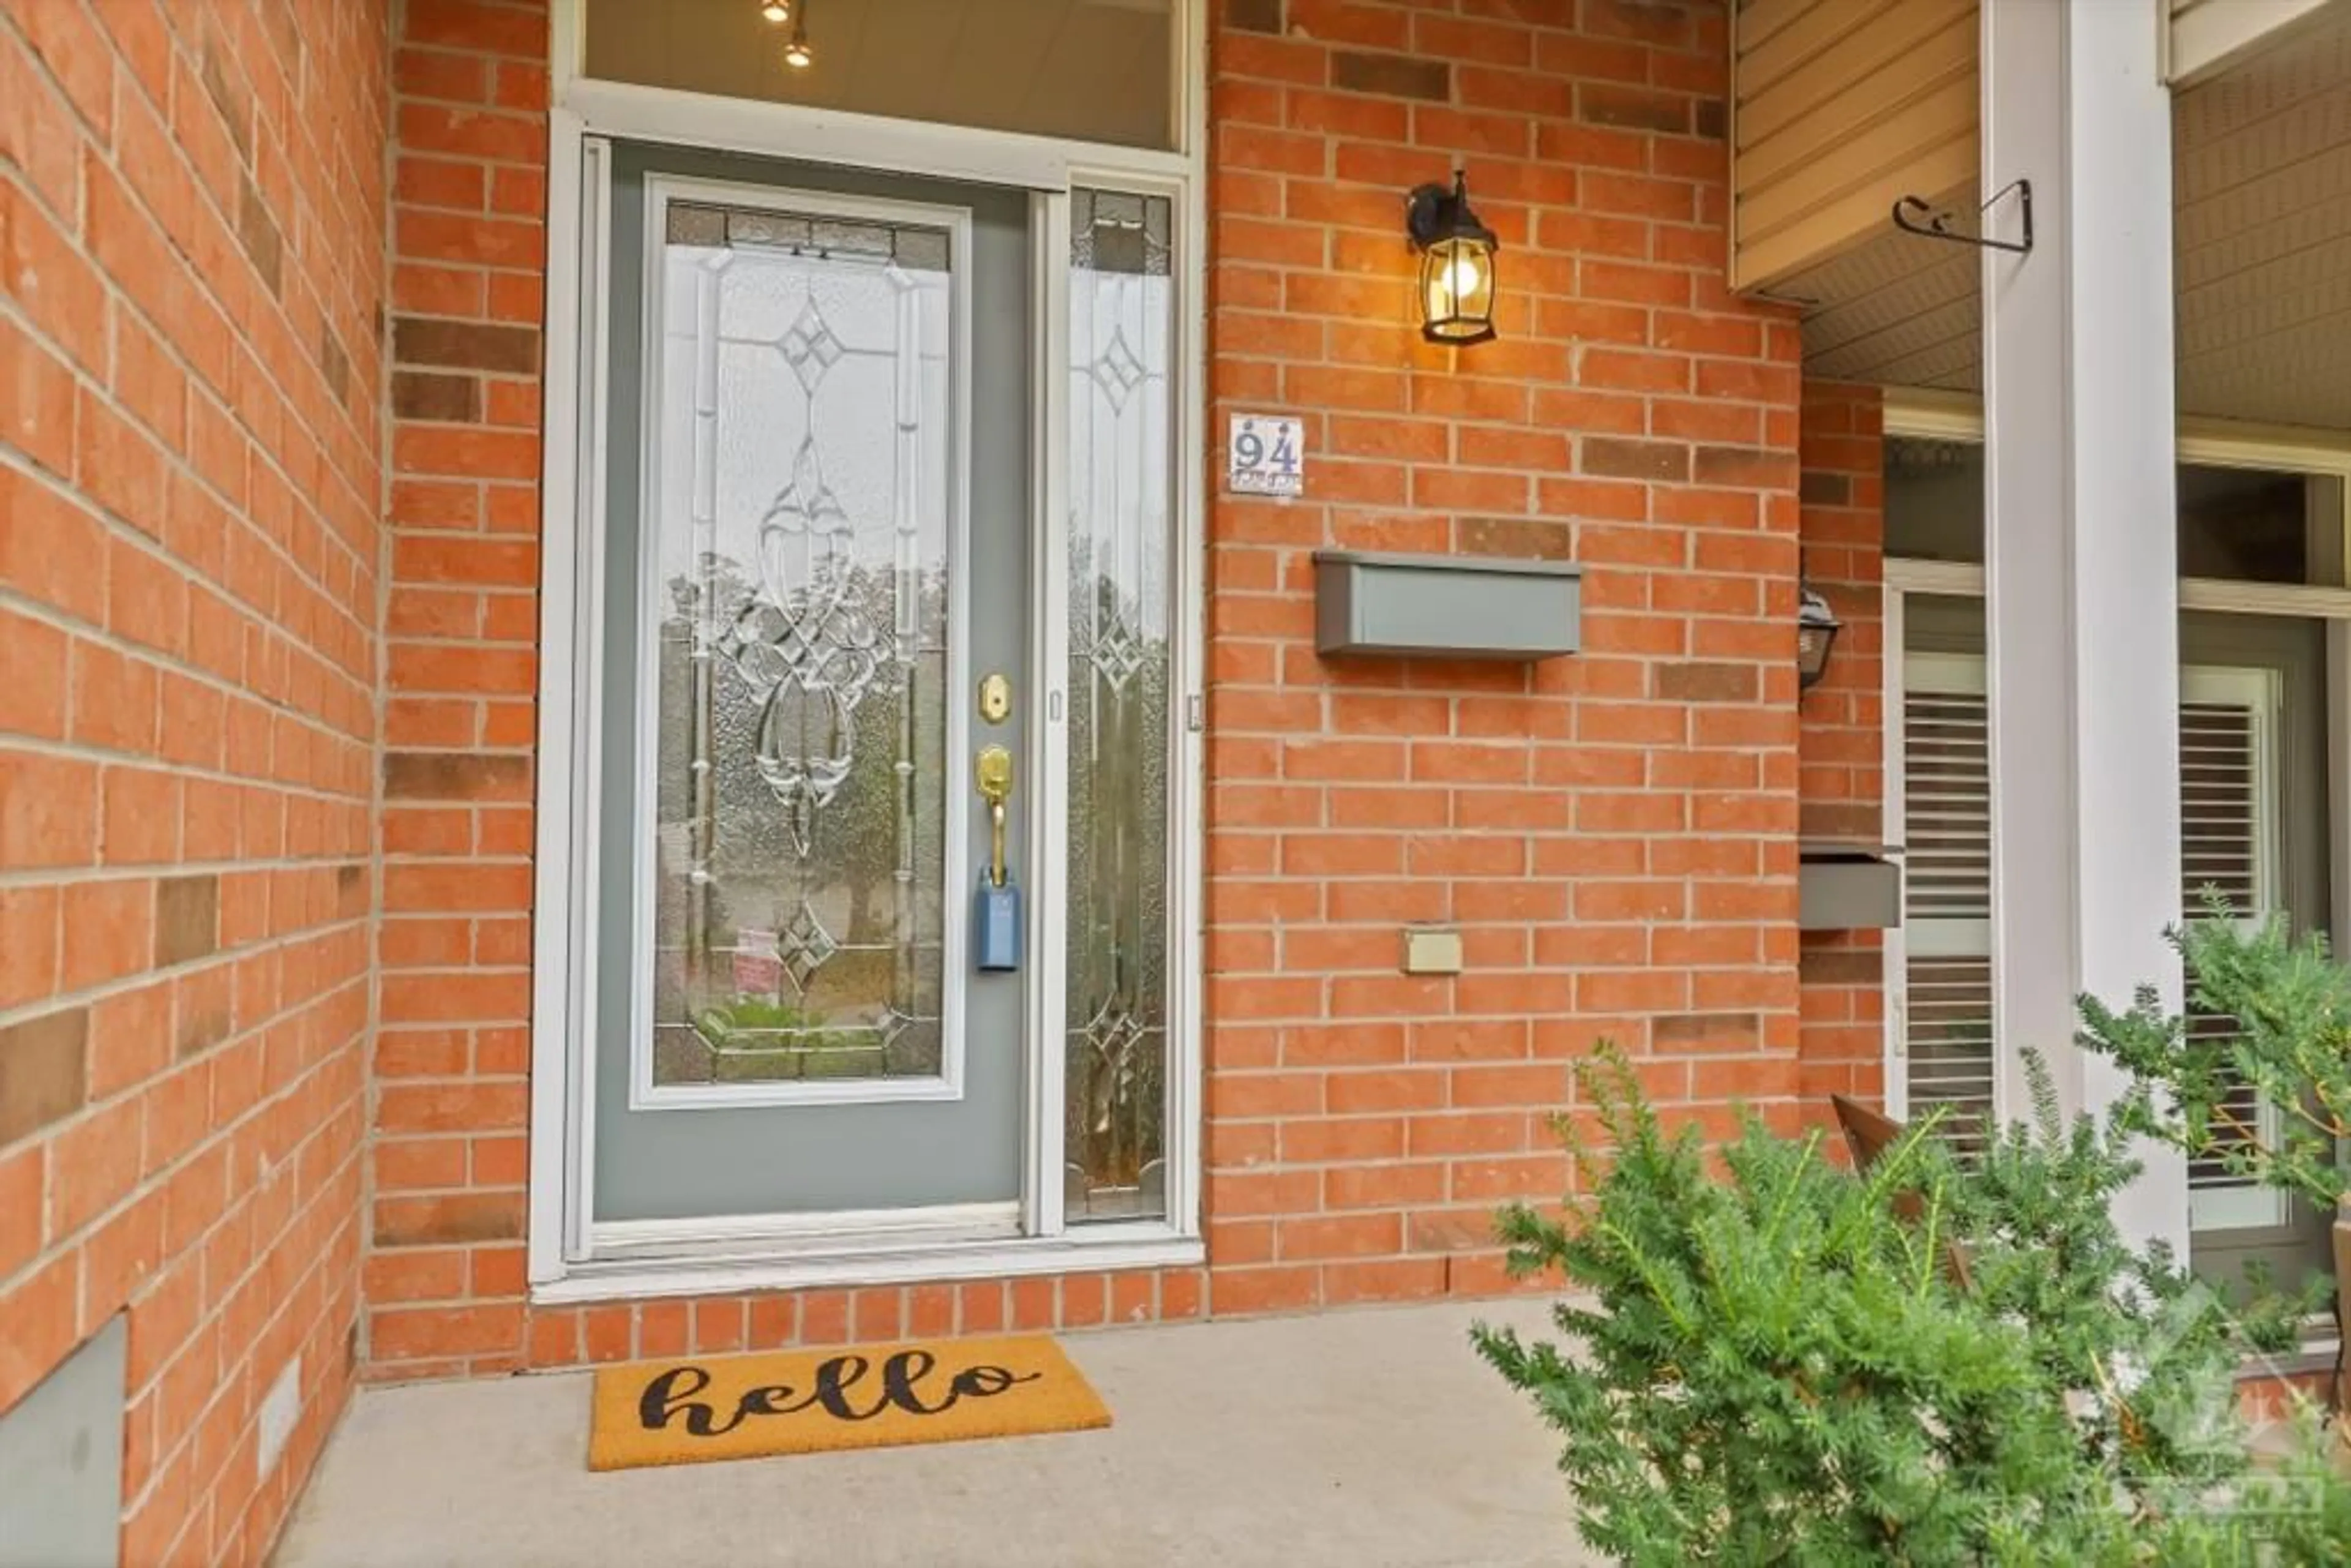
(2228, 739)
(1946, 1015)
(2228, 841)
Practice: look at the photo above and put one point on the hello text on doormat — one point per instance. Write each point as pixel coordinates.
(857, 1397)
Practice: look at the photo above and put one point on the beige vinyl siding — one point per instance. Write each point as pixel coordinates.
(1841, 106)
(1838, 107)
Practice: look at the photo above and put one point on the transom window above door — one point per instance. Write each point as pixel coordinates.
(1086, 70)
(2235, 524)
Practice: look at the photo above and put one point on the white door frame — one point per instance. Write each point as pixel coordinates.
(587, 114)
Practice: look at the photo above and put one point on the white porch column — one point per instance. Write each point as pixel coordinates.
(2083, 606)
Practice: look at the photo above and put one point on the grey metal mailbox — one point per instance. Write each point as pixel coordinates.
(1446, 607)
(1846, 887)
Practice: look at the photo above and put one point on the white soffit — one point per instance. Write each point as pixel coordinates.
(2262, 179)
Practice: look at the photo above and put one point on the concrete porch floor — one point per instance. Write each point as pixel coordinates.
(1372, 1437)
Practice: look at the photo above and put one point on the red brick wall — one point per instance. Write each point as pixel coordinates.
(1843, 745)
(448, 1162)
(192, 267)
(1614, 832)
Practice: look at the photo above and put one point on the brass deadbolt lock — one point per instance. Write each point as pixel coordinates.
(995, 699)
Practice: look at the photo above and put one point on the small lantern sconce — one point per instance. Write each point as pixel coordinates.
(798, 54)
(1816, 629)
(1456, 263)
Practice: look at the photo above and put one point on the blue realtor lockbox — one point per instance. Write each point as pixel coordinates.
(996, 924)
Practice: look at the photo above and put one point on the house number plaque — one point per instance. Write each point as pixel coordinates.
(1265, 455)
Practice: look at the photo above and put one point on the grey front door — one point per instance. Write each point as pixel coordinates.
(819, 508)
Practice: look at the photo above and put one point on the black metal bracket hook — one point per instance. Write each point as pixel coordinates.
(1915, 215)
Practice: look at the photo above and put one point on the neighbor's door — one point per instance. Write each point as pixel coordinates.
(820, 514)
(2253, 826)
(2252, 752)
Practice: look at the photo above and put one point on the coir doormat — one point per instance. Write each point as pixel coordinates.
(857, 1397)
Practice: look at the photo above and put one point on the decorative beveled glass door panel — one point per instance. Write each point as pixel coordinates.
(803, 403)
(1122, 300)
(818, 506)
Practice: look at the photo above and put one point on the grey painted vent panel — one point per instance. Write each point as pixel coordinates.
(61, 1462)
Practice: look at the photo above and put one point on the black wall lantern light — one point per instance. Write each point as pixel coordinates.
(1816, 629)
(1456, 263)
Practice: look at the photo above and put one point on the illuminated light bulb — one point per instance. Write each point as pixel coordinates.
(1464, 275)
(777, 12)
(797, 54)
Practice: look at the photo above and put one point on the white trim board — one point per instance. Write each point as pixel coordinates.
(572, 480)
(1893, 1052)
(1965, 580)
(2202, 41)
(2212, 443)
(752, 1238)
(1096, 1249)
(1048, 762)
(562, 1131)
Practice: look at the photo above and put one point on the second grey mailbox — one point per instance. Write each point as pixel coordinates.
(1847, 887)
(1442, 606)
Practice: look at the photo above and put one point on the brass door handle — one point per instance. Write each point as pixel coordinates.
(993, 771)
